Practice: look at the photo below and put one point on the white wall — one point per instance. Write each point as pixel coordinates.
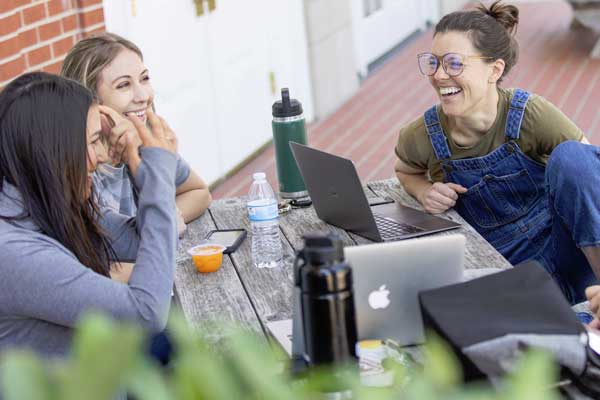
(211, 72)
(331, 49)
(448, 6)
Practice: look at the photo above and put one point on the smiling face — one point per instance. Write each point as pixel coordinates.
(466, 93)
(124, 85)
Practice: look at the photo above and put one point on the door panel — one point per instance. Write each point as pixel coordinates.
(382, 24)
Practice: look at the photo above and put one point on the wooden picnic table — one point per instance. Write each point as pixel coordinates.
(252, 297)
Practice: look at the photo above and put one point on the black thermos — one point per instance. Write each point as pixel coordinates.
(327, 301)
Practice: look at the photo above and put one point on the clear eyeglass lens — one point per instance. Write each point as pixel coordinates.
(453, 64)
(428, 64)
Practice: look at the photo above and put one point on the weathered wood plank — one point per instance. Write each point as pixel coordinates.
(300, 221)
(478, 254)
(215, 297)
(253, 296)
(270, 290)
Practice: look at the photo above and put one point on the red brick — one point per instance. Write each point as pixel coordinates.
(20, 3)
(34, 14)
(87, 3)
(90, 18)
(69, 23)
(60, 47)
(50, 30)
(11, 69)
(38, 56)
(28, 38)
(9, 47)
(56, 7)
(7, 5)
(10, 24)
(53, 68)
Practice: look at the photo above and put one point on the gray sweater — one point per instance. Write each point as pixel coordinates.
(44, 289)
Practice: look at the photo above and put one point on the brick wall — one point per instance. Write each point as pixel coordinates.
(35, 35)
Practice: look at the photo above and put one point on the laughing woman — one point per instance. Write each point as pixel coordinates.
(56, 247)
(510, 162)
(113, 69)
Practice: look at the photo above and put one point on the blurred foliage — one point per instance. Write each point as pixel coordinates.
(109, 359)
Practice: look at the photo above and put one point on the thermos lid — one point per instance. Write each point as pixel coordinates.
(286, 107)
(325, 270)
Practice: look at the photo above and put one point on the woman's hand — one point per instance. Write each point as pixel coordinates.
(181, 226)
(439, 197)
(593, 295)
(118, 131)
(159, 135)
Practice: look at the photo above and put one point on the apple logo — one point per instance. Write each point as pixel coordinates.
(379, 298)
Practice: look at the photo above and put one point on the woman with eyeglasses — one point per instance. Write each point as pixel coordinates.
(486, 151)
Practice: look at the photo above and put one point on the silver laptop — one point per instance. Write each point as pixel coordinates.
(388, 277)
(339, 199)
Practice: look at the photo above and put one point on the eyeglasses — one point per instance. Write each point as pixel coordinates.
(453, 63)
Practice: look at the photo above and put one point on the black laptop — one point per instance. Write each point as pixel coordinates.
(339, 199)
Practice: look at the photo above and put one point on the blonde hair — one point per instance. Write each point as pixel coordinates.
(86, 60)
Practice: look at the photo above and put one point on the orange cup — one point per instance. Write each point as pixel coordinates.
(207, 257)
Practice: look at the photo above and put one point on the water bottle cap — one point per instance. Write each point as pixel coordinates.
(286, 107)
(325, 270)
(259, 176)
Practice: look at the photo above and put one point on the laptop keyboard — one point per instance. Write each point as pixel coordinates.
(390, 229)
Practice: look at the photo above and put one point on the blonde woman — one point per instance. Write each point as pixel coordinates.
(113, 69)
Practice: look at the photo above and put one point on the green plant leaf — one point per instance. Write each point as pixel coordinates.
(441, 368)
(147, 382)
(532, 378)
(103, 355)
(199, 372)
(257, 367)
(24, 377)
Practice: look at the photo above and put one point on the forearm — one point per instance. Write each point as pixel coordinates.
(193, 203)
(414, 184)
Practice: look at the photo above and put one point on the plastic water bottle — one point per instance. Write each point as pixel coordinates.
(264, 219)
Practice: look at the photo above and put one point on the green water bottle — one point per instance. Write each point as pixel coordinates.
(288, 126)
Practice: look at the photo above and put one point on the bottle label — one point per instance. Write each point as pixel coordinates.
(262, 210)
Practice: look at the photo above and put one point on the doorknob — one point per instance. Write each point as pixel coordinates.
(212, 5)
(199, 7)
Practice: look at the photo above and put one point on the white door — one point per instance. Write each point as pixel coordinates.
(255, 49)
(216, 75)
(174, 54)
(379, 25)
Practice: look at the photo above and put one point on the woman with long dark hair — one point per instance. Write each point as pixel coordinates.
(56, 247)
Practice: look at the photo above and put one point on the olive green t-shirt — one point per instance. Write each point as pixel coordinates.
(543, 128)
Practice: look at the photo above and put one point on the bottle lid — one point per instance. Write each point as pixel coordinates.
(286, 107)
(323, 249)
(259, 176)
(325, 270)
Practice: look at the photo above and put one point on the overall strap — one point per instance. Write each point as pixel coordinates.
(436, 134)
(516, 111)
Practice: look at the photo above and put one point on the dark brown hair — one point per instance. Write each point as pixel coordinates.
(43, 152)
(86, 60)
(491, 31)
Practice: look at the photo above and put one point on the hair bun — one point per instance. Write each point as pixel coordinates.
(505, 14)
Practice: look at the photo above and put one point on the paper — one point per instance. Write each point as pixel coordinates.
(282, 332)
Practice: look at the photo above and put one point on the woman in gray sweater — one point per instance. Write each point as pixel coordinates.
(55, 244)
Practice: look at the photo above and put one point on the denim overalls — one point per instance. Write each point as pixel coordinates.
(507, 200)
